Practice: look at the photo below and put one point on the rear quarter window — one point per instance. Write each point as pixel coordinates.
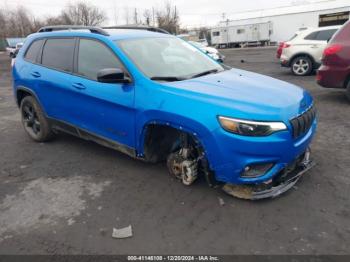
(33, 51)
(325, 35)
(58, 53)
(312, 36)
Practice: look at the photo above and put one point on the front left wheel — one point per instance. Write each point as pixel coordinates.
(34, 121)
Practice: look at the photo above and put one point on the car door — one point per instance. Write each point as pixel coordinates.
(53, 77)
(103, 109)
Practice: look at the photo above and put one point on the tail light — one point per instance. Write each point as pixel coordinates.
(318, 77)
(329, 54)
(280, 48)
(331, 50)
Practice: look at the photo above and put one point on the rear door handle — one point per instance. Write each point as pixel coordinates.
(36, 74)
(79, 86)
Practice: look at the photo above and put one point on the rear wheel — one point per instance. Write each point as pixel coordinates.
(301, 66)
(34, 121)
(348, 90)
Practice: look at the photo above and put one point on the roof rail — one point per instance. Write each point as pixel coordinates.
(93, 29)
(138, 27)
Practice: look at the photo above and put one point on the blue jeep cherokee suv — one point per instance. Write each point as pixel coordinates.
(157, 98)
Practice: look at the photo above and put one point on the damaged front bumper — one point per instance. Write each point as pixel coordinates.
(284, 181)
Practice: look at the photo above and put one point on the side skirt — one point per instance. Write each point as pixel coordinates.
(87, 135)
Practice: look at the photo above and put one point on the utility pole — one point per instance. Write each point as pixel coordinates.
(135, 17)
(223, 16)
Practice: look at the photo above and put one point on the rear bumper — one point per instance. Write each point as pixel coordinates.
(284, 63)
(285, 60)
(332, 76)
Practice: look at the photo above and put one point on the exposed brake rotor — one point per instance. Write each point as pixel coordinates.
(182, 166)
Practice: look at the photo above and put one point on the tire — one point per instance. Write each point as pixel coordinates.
(301, 66)
(348, 90)
(34, 121)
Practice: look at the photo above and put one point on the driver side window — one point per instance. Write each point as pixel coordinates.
(94, 56)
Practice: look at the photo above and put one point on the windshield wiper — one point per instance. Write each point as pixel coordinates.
(212, 71)
(167, 78)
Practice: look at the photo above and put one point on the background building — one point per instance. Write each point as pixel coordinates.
(283, 21)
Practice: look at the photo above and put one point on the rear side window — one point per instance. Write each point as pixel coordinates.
(94, 56)
(33, 51)
(58, 53)
(312, 36)
(325, 35)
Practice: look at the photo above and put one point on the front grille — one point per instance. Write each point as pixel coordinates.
(301, 124)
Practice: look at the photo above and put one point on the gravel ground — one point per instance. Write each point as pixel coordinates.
(65, 197)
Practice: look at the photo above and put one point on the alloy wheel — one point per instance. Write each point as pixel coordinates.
(301, 66)
(31, 120)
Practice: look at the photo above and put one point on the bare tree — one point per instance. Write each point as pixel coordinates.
(127, 15)
(82, 13)
(168, 18)
(3, 23)
(136, 17)
(147, 15)
(115, 14)
(18, 22)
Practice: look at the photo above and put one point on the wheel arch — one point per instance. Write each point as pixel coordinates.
(22, 92)
(303, 54)
(194, 129)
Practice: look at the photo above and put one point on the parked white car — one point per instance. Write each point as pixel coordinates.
(12, 51)
(303, 52)
(210, 51)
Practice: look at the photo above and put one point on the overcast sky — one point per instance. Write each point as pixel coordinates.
(192, 12)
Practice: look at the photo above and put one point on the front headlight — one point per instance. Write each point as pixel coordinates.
(250, 128)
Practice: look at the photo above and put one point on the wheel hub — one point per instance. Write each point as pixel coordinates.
(182, 167)
(301, 67)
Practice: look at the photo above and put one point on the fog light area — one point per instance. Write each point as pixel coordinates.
(256, 170)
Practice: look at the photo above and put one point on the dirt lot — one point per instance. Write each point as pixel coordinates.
(64, 197)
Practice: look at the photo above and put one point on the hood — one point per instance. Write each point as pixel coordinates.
(242, 94)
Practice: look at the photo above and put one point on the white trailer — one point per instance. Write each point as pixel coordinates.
(286, 20)
(239, 35)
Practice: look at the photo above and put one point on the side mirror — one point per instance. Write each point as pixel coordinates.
(12, 55)
(112, 75)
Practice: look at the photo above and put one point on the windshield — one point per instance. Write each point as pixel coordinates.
(168, 58)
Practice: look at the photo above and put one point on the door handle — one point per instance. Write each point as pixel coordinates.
(314, 46)
(78, 86)
(36, 74)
